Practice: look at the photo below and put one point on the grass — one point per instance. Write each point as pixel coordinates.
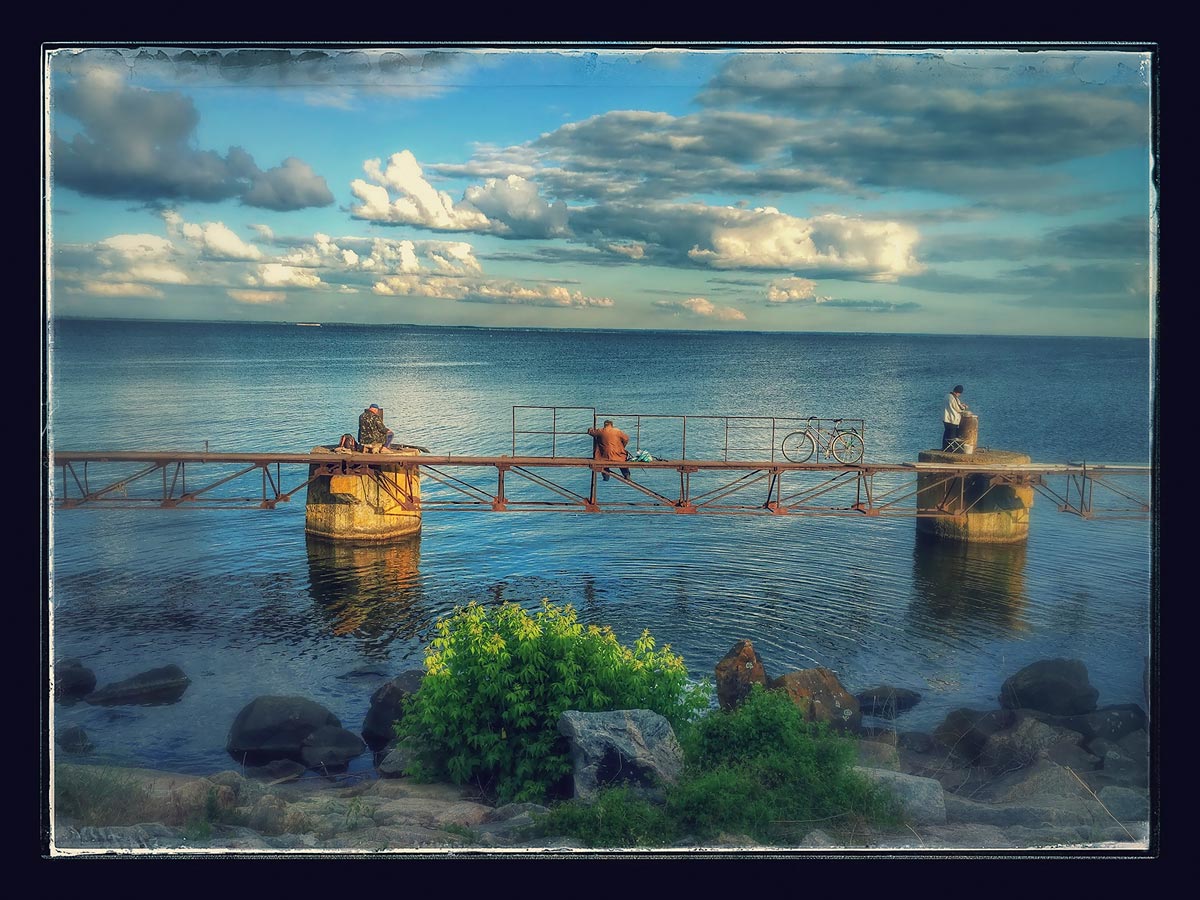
(93, 796)
(759, 771)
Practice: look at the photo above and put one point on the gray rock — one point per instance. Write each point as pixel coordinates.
(330, 749)
(387, 707)
(1056, 686)
(74, 740)
(635, 747)
(1022, 743)
(965, 732)
(277, 770)
(396, 762)
(1126, 804)
(268, 814)
(886, 701)
(274, 727)
(922, 799)
(72, 680)
(156, 687)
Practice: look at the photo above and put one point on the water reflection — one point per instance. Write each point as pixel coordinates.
(368, 591)
(962, 589)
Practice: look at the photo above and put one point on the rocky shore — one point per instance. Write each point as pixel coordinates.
(1047, 770)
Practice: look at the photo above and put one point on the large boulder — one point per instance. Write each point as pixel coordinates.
(922, 799)
(387, 706)
(72, 680)
(822, 698)
(634, 747)
(737, 671)
(885, 701)
(330, 749)
(1056, 686)
(274, 727)
(73, 739)
(156, 687)
(965, 732)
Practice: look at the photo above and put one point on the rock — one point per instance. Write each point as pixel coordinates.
(1110, 722)
(632, 747)
(877, 755)
(387, 707)
(395, 764)
(72, 680)
(965, 732)
(330, 749)
(156, 687)
(74, 740)
(737, 671)
(822, 698)
(1125, 804)
(274, 727)
(1022, 742)
(277, 771)
(922, 799)
(886, 701)
(1056, 686)
(268, 815)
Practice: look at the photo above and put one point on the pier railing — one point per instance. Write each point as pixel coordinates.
(561, 431)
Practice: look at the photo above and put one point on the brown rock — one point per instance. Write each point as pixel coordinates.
(736, 673)
(822, 697)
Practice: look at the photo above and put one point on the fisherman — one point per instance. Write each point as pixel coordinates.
(373, 435)
(952, 416)
(609, 443)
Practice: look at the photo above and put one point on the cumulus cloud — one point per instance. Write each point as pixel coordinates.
(118, 289)
(273, 275)
(418, 203)
(213, 239)
(762, 238)
(793, 290)
(138, 144)
(488, 291)
(517, 208)
(257, 298)
(702, 308)
(139, 258)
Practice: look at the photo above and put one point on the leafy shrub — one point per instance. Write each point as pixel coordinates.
(498, 679)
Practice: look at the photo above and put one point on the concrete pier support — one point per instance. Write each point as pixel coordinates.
(981, 508)
(365, 503)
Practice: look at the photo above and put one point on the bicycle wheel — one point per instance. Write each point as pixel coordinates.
(798, 447)
(847, 447)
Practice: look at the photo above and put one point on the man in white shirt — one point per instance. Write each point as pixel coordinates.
(952, 416)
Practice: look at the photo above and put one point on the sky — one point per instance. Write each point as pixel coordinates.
(949, 190)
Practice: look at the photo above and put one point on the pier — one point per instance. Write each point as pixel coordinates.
(714, 465)
(141, 479)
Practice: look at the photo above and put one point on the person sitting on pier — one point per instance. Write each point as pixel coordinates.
(952, 416)
(609, 443)
(373, 435)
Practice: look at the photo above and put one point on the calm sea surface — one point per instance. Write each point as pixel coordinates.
(247, 606)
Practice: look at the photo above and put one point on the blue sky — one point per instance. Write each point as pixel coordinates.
(854, 189)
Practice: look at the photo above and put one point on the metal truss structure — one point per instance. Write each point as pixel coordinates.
(150, 479)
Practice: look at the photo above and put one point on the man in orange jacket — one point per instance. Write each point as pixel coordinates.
(609, 443)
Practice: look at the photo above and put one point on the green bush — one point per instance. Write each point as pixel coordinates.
(758, 770)
(498, 679)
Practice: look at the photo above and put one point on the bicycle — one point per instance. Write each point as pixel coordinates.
(843, 444)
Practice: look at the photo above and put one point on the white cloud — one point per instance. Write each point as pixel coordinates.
(419, 202)
(515, 207)
(214, 239)
(634, 250)
(765, 238)
(119, 289)
(703, 308)
(139, 257)
(484, 291)
(257, 297)
(793, 290)
(278, 275)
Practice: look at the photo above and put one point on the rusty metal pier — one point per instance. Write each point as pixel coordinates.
(141, 479)
(713, 465)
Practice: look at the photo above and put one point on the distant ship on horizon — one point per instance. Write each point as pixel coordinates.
(311, 324)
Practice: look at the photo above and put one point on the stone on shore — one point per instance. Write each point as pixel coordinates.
(157, 687)
(634, 747)
(736, 673)
(1056, 686)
